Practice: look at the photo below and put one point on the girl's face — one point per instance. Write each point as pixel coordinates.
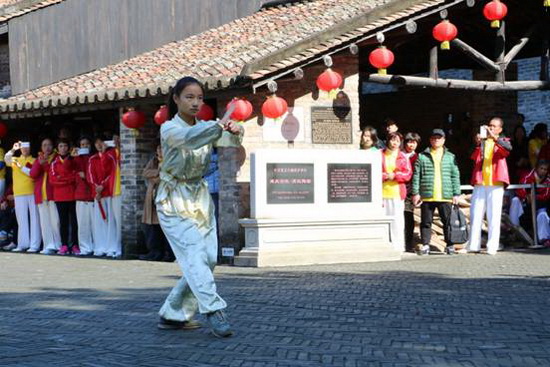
(190, 100)
(85, 143)
(159, 152)
(63, 148)
(47, 147)
(542, 170)
(411, 146)
(519, 134)
(99, 145)
(394, 143)
(366, 139)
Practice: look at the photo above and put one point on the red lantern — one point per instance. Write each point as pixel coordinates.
(274, 107)
(3, 130)
(330, 81)
(381, 58)
(133, 119)
(161, 115)
(206, 113)
(243, 109)
(495, 11)
(445, 32)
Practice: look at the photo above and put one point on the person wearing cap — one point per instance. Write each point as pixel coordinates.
(489, 177)
(436, 183)
(26, 211)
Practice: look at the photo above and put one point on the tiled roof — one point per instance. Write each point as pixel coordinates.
(15, 8)
(219, 55)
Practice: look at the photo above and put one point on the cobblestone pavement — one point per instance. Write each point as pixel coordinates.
(466, 310)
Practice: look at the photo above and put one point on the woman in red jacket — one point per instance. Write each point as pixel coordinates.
(84, 197)
(396, 171)
(43, 196)
(62, 178)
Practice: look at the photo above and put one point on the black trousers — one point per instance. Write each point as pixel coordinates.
(409, 230)
(156, 241)
(427, 210)
(68, 226)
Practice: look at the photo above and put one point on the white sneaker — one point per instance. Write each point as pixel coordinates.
(10, 247)
(48, 251)
(32, 250)
(18, 249)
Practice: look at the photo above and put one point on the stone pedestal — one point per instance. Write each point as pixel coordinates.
(316, 207)
(271, 242)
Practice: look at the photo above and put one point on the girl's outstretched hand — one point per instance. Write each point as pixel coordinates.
(233, 127)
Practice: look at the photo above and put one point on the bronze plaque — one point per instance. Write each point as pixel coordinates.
(290, 183)
(349, 183)
(331, 125)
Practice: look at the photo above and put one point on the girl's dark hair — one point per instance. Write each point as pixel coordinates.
(519, 127)
(82, 137)
(388, 121)
(412, 136)
(373, 133)
(538, 130)
(392, 136)
(98, 137)
(63, 141)
(543, 162)
(176, 91)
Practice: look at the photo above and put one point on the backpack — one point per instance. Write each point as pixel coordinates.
(457, 227)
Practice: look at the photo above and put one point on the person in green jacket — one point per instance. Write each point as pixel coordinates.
(436, 183)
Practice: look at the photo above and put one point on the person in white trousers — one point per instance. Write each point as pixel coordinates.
(523, 199)
(28, 220)
(186, 211)
(489, 177)
(396, 172)
(101, 172)
(84, 197)
(43, 196)
(114, 240)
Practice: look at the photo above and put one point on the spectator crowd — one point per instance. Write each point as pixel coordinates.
(430, 180)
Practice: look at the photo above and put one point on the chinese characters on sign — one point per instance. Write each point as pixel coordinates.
(331, 125)
(349, 183)
(290, 183)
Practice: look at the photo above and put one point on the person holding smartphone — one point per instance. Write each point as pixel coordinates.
(84, 197)
(26, 211)
(489, 178)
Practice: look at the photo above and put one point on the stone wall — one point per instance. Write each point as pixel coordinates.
(136, 150)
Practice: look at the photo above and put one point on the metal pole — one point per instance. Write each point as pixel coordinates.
(534, 216)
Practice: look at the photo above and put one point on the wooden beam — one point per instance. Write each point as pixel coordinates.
(500, 52)
(416, 81)
(433, 63)
(511, 55)
(475, 55)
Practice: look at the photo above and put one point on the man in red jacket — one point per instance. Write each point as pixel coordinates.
(43, 196)
(84, 197)
(62, 178)
(101, 172)
(489, 177)
(522, 202)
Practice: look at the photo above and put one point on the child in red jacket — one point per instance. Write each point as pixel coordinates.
(62, 178)
(101, 173)
(84, 197)
(43, 196)
(522, 202)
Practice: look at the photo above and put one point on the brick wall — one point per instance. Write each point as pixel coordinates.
(136, 150)
(235, 163)
(534, 105)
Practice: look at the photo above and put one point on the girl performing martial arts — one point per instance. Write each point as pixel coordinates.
(186, 211)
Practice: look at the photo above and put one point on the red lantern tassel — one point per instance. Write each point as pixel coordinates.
(546, 3)
(495, 24)
(446, 45)
(382, 71)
